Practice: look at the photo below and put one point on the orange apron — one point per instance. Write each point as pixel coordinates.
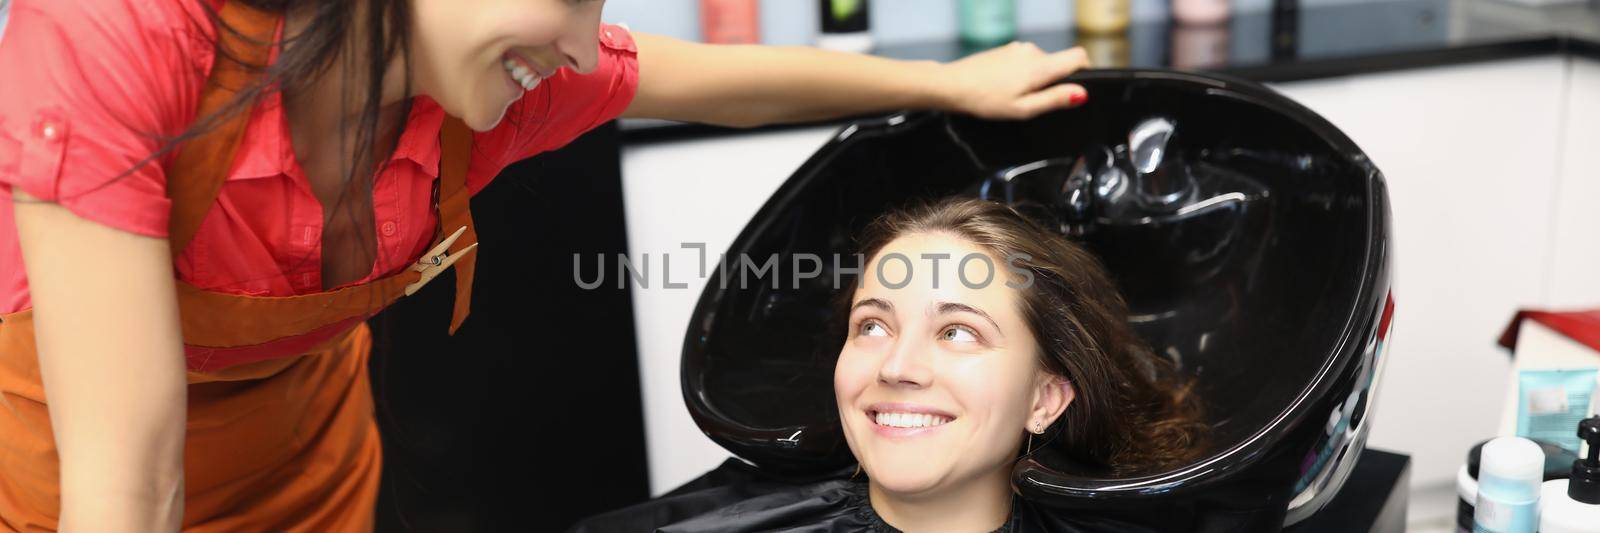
(280, 432)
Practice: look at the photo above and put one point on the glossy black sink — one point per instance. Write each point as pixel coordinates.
(1249, 235)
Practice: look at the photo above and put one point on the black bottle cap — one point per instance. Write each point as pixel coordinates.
(1584, 485)
(845, 16)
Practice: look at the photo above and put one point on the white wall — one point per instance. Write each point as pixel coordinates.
(1492, 172)
(1471, 154)
(1573, 279)
(690, 192)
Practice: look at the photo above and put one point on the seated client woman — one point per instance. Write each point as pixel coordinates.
(949, 373)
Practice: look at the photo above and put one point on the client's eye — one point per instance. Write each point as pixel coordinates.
(958, 334)
(872, 329)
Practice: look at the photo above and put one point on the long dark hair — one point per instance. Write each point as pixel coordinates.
(385, 34)
(366, 36)
(307, 55)
(1132, 414)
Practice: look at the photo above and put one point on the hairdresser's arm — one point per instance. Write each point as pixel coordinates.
(110, 353)
(755, 85)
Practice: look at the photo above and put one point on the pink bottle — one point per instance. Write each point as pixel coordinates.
(730, 21)
(1200, 12)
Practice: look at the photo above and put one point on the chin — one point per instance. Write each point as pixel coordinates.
(907, 476)
(481, 118)
(484, 109)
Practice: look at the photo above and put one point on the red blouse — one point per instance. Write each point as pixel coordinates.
(88, 86)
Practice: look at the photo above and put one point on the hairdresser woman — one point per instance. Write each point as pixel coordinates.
(194, 221)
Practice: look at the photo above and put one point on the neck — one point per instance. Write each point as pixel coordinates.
(982, 504)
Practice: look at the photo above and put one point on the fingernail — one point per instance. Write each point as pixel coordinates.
(1077, 98)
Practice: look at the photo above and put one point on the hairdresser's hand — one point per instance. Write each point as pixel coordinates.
(1015, 81)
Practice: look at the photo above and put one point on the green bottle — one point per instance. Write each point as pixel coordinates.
(988, 22)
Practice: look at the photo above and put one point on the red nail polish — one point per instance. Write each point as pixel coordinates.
(1077, 99)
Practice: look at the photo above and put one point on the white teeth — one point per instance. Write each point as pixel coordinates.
(524, 77)
(909, 420)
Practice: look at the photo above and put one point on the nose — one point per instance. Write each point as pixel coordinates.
(580, 47)
(907, 365)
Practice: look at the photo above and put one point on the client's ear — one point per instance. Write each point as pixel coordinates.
(1051, 398)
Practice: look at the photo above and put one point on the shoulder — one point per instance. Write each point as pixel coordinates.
(728, 500)
(831, 505)
(106, 80)
(142, 60)
(112, 42)
(128, 19)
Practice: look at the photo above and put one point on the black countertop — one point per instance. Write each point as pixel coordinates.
(1373, 498)
(1288, 45)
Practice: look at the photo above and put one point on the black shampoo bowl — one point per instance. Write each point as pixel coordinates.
(1249, 235)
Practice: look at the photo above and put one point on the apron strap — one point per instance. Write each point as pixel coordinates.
(455, 209)
(195, 178)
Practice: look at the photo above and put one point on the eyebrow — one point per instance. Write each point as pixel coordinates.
(953, 307)
(874, 302)
(939, 308)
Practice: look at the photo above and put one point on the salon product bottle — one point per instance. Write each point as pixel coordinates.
(988, 22)
(1199, 47)
(845, 25)
(730, 21)
(1107, 50)
(1509, 473)
(1102, 16)
(1200, 12)
(1285, 40)
(1557, 465)
(1573, 505)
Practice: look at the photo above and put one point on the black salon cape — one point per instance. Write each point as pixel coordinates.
(734, 498)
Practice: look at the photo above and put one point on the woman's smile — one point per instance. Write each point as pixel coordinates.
(906, 420)
(523, 73)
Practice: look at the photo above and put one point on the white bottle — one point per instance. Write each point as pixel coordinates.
(1509, 472)
(1573, 505)
(1561, 514)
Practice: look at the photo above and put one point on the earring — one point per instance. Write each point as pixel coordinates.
(857, 472)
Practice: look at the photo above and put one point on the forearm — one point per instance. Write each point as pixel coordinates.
(111, 359)
(126, 472)
(754, 85)
(797, 84)
(99, 508)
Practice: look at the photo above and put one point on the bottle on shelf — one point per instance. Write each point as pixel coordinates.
(845, 25)
(988, 22)
(1102, 16)
(730, 21)
(1200, 12)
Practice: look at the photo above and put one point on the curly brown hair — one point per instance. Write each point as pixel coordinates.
(1133, 414)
